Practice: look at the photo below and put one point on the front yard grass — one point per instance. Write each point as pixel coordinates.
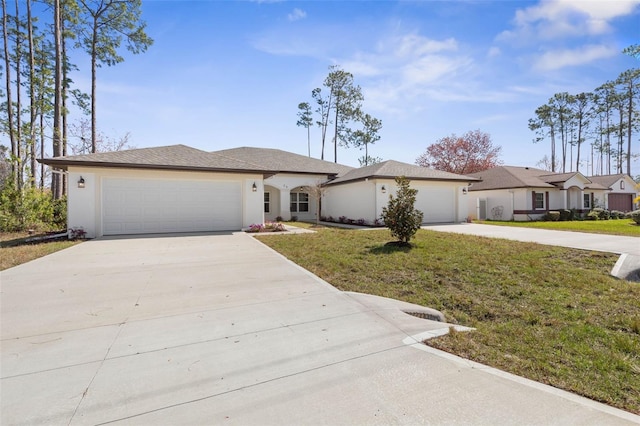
(612, 227)
(19, 254)
(550, 314)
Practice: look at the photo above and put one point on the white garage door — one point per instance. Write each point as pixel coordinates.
(437, 204)
(143, 206)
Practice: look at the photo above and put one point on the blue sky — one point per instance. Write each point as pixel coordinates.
(224, 74)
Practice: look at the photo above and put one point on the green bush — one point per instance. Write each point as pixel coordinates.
(400, 216)
(635, 215)
(617, 214)
(566, 215)
(593, 215)
(552, 216)
(601, 213)
(30, 208)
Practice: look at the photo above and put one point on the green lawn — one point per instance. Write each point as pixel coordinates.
(551, 314)
(611, 227)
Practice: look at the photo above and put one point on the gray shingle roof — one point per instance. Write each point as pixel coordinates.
(391, 169)
(505, 177)
(283, 161)
(179, 157)
(606, 180)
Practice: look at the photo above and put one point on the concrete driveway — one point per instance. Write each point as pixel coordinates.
(219, 329)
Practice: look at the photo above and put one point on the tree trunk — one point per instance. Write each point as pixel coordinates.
(94, 44)
(7, 69)
(56, 181)
(18, 64)
(630, 127)
(65, 69)
(32, 96)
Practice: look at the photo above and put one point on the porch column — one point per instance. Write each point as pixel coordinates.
(285, 199)
(565, 199)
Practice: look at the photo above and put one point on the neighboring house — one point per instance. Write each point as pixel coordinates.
(362, 193)
(526, 193)
(182, 189)
(622, 192)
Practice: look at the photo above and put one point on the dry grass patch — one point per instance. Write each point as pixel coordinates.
(551, 314)
(19, 254)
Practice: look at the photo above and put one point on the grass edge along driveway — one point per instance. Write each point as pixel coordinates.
(549, 314)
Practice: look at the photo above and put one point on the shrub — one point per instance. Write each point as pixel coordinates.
(400, 215)
(361, 222)
(617, 214)
(566, 215)
(552, 216)
(343, 219)
(593, 215)
(294, 218)
(601, 213)
(278, 218)
(30, 208)
(635, 215)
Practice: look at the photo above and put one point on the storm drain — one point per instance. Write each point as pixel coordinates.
(424, 315)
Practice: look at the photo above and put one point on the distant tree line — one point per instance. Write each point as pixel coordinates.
(606, 119)
(338, 110)
(37, 89)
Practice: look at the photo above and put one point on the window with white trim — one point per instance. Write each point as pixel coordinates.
(267, 202)
(539, 201)
(587, 201)
(299, 202)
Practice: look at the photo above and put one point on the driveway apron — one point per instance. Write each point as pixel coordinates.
(218, 328)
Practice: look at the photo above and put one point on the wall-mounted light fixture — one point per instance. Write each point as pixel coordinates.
(464, 191)
(254, 188)
(383, 189)
(81, 182)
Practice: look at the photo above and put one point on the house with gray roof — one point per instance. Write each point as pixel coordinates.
(182, 189)
(527, 193)
(622, 191)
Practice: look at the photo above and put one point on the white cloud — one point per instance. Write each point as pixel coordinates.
(551, 19)
(494, 52)
(556, 59)
(296, 15)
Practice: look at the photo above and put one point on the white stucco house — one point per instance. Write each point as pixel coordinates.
(182, 189)
(526, 193)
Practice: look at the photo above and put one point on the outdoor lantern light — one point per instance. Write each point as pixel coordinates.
(383, 189)
(81, 182)
(254, 188)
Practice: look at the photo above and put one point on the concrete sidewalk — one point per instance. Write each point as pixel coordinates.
(208, 329)
(579, 240)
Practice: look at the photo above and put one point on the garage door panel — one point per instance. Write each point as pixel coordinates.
(154, 206)
(437, 204)
(622, 202)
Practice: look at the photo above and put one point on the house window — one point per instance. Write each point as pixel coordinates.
(587, 201)
(299, 202)
(267, 202)
(539, 201)
(621, 184)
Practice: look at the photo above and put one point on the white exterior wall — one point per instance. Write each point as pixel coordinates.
(355, 200)
(365, 200)
(629, 188)
(85, 204)
(284, 183)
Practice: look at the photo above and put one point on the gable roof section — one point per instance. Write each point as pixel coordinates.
(174, 157)
(608, 181)
(506, 177)
(391, 169)
(285, 162)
